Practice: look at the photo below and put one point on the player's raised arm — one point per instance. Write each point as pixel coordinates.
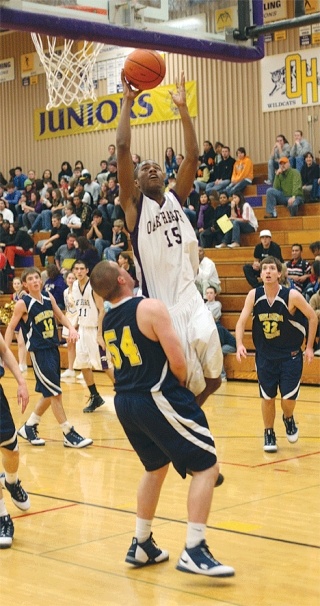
(155, 323)
(129, 193)
(188, 167)
(241, 324)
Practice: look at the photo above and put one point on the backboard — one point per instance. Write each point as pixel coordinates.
(203, 28)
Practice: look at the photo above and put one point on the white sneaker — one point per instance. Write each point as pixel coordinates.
(68, 373)
(23, 367)
(80, 377)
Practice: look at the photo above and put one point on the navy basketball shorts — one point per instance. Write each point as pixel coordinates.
(167, 427)
(8, 434)
(284, 374)
(46, 367)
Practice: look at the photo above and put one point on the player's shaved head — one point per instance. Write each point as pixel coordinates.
(104, 280)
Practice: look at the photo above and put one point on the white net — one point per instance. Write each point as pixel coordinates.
(69, 69)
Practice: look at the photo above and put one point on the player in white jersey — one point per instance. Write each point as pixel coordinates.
(165, 245)
(90, 315)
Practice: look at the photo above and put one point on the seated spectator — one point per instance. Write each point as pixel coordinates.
(315, 304)
(91, 187)
(12, 197)
(284, 280)
(83, 212)
(170, 163)
(280, 149)
(127, 263)
(20, 244)
(243, 220)
(58, 236)
(242, 173)
(213, 235)
(112, 170)
(314, 247)
(19, 178)
(218, 148)
(179, 158)
(191, 207)
(66, 254)
(205, 214)
(119, 242)
(286, 190)
(42, 221)
(299, 269)
(264, 249)
(208, 156)
(112, 153)
(85, 196)
(310, 176)
(4, 232)
(207, 275)
(221, 174)
(32, 210)
(65, 172)
(85, 251)
(3, 181)
(117, 212)
(109, 191)
(206, 164)
(202, 178)
(228, 345)
(55, 284)
(298, 150)
(7, 214)
(171, 181)
(28, 189)
(100, 232)
(214, 306)
(70, 219)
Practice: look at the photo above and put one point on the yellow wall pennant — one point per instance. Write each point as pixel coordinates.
(103, 114)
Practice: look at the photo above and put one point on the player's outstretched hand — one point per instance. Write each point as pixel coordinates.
(73, 335)
(241, 352)
(23, 396)
(309, 354)
(128, 91)
(179, 97)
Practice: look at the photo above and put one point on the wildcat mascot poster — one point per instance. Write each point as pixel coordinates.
(290, 80)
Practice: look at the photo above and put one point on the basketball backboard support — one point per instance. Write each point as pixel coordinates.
(202, 28)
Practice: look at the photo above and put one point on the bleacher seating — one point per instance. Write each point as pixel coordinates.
(285, 230)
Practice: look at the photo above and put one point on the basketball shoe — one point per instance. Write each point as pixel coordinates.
(6, 532)
(30, 433)
(18, 495)
(292, 430)
(74, 440)
(199, 560)
(95, 401)
(146, 553)
(270, 443)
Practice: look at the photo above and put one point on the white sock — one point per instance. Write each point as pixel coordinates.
(65, 426)
(3, 509)
(195, 534)
(33, 419)
(143, 529)
(11, 478)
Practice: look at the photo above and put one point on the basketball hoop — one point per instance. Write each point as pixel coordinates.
(69, 70)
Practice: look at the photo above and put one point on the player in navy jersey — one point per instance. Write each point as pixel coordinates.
(282, 319)
(9, 447)
(37, 313)
(159, 415)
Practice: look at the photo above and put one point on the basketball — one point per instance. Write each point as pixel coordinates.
(144, 69)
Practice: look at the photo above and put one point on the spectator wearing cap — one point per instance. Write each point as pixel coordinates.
(92, 187)
(262, 250)
(19, 178)
(112, 168)
(286, 190)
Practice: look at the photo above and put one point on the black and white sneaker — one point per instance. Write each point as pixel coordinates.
(199, 560)
(146, 553)
(292, 430)
(18, 495)
(270, 444)
(93, 403)
(72, 439)
(6, 532)
(30, 433)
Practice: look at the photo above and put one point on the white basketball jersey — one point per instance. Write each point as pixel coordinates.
(85, 304)
(165, 249)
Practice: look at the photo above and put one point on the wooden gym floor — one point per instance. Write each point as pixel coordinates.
(69, 548)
